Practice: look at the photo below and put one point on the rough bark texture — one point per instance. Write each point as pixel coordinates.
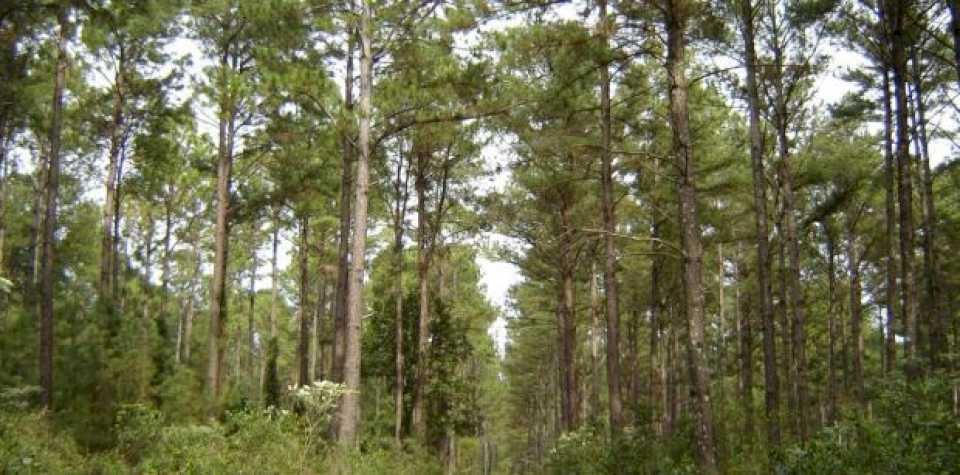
(567, 326)
(401, 195)
(50, 220)
(595, 410)
(745, 333)
(932, 308)
(796, 298)
(856, 312)
(897, 12)
(423, 270)
(765, 301)
(350, 404)
(890, 237)
(677, 14)
(832, 327)
(610, 261)
(116, 145)
(304, 317)
(343, 243)
(218, 286)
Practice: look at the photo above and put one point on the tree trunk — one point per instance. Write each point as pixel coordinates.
(890, 237)
(796, 299)
(303, 343)
(50, 222)
(107, 255)
(424, 251)
(765, 303)
(350, 404)
(37, 209)
(218, 291)
(343, 242)
(898, 18)
(609, 226)
(692, 269)
(745, 332)
(658, 325)
(933, 309)
(595, 376)
(832, 325)
(399, 216)
(251, 326)
(566, 326)
(856, 314)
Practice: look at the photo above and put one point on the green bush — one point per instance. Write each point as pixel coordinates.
(29, 444)
(914, 432)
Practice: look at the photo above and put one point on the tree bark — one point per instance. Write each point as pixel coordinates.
(251, 325)
(343, 243)
(765, 303)
(350, 404)
(303, 343)
(832, 326)
(676, 22)
(218, 291)
(609, 226)
(107, 255)
(898, 36)
(745, 333)
(399, 215)
(890, 237)
(595, 376)
(566, 325)
(856, 312)
(50, 222)
(933, 309)
(424, 251)
(796, 298)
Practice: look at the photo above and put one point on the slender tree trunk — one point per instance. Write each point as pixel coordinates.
(933, 309)
(50, 222)
(658, 324)
(745, 332)
(795, 288)
(832, 326)
(218, 291)
(399, 215)
(595, 376)
(350, 404)
(890, 237)
(343, 243)
(424, 252)
(319, 372)
(765, 303)
(856, 316)
(251, 325)
(116, 145)
(609, 226)
(116, 258)
(897, 19)
(303, 344)
(39, 190)
(692, 269)
(566, 326)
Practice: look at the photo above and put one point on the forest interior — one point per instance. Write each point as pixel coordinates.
(479, 236)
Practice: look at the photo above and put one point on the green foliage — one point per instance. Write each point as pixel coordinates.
(914, 431)
(30, 444)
